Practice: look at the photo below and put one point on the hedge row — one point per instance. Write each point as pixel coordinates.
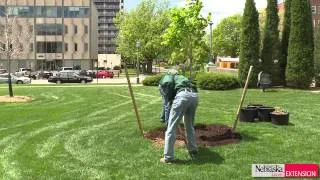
(217, 81)
(152, 80)
(206, 81)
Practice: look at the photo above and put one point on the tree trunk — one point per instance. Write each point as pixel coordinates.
(191, 57)
(9, 77)
(149, 66)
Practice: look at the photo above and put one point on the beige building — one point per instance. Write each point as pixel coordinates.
(62, 33)
(109, 60)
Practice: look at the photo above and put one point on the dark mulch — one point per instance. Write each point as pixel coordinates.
(207, 135)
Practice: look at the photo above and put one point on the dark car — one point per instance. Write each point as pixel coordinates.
(45, 74)
(69, 77)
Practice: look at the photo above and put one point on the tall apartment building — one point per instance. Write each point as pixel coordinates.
(63, 33)
(107, 10)
(315, 7)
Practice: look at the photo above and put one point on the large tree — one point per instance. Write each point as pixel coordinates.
(185, 35)
(270, 42)
(317, 56)
(226, 37)
(250, 43)
(300, 67)
(146, 23)
(285, 40)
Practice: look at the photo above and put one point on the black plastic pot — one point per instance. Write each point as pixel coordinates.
(255, 105)
(280, 119)
(248, 114)
(264, 113)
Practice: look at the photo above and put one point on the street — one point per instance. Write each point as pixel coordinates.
(115, 80)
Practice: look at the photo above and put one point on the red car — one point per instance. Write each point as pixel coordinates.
(104, 74)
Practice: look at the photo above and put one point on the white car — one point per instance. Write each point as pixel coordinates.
(14, 79)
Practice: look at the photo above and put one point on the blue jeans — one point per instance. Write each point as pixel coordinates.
(166, 106)
(184, 105)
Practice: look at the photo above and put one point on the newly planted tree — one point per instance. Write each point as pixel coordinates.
(250, 43)
(12, 42)
(300, 67)
(185, 35)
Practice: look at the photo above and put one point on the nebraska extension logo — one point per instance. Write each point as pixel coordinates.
(285, 170)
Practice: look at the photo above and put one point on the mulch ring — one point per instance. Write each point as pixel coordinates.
(14, 99)
(207, 135)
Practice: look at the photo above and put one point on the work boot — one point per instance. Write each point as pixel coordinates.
(193, 154)
(166, 161)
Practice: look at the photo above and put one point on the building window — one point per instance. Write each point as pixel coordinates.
(49, 47)
(31, 47)
(23, 11)
(65, 47)
(49, 29)
(66, 29)
(76, 12)
(314, 23)
(314, 10)
(75, 28)
(48, 11)
(75, 47)
(86, 46)
(86, 30)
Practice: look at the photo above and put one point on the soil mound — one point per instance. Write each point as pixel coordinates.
(207, 135)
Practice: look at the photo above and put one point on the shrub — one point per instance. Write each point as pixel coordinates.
(217, 81)
(152, 80)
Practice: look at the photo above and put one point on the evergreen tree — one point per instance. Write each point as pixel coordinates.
(250, 43)
(270, 42)
(300, 67)
(285, 40)
(271, 37)
(317, 56)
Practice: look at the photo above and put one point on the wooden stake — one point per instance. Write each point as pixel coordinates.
(133, 100)
(242, 98)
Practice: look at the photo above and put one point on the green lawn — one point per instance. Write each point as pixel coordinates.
(91, 133)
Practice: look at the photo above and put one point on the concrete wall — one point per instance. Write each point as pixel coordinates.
(109, 60)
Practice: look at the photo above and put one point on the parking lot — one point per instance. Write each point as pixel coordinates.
(115, 80)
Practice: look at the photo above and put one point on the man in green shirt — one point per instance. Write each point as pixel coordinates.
(185, 102)
(166, 88)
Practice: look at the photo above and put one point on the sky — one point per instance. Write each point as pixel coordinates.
(218, 8)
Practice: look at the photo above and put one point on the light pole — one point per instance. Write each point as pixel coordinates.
(138, 64)
(211, 55)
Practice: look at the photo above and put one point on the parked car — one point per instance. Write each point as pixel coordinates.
(27, 73)
(66, 68)
(14, 79)
(2, 71)
(69, 77)
(104, 74)
(45, 74)
(92, 73)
